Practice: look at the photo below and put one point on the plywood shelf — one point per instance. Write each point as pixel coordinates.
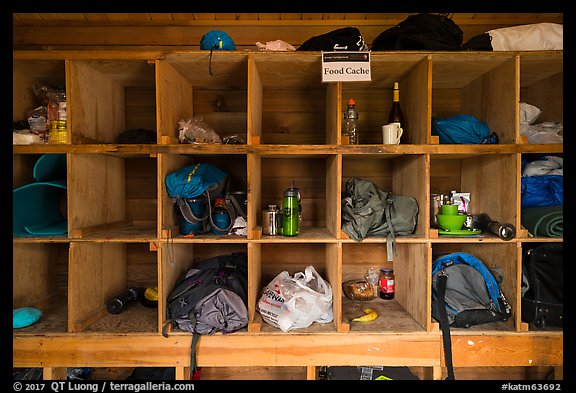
(135, 319)
(123, 230)
(294, 151)
(392, 318)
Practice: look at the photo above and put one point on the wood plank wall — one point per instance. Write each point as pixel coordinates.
(184, 31)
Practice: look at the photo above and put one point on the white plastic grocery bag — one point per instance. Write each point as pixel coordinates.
(296, 302)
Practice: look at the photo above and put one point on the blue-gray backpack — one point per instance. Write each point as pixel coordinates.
(212, 296)
(473, 296)
(464, 294)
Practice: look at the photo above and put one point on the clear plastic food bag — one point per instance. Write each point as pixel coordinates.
(296, 302)
(195, 130)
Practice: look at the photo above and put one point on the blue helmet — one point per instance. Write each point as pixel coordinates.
(217, 40)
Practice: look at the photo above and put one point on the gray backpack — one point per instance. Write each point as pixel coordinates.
(212, 296)
(370, 211)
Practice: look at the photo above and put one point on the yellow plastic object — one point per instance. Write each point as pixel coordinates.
(369, 316)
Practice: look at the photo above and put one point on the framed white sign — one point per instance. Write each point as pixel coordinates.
(346, 66)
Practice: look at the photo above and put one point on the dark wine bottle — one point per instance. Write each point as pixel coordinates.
(483, 222)
(396, 112)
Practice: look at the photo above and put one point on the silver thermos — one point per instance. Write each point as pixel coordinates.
(271, 221)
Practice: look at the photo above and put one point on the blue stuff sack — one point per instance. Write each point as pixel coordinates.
(462, 129)
(193, 180)
(543, 190)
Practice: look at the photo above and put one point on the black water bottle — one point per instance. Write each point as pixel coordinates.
(119, 303)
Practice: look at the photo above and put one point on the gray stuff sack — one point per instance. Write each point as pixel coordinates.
(370, 211)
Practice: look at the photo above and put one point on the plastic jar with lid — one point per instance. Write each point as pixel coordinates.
(58, 134)
(386, 284)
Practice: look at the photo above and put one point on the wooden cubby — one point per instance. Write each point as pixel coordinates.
(122, 229)
(107, 97)
(112, 197)
(289, 104)
(177, 258)
(26, 73)
(504, 258)
(480, 85)
(373, 98)
(541, 84)
(234, 165)
(40, 277)
(492, 190)
(101, 270)
(211, 85)
(409, 311)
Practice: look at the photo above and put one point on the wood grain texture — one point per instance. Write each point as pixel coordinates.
(230, 350)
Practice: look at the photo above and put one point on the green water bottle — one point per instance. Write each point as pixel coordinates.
(290, 212)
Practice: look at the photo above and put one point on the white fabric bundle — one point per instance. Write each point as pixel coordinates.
(537, 36)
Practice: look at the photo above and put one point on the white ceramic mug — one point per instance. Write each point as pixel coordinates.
(392, 133)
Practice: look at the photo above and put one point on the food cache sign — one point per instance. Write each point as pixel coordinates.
(346, 66)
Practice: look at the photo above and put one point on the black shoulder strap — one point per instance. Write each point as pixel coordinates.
(193, 364)
(195, 339)
(169, 323)
(391, 238)
(444, 326)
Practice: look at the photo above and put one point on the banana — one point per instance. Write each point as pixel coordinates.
(369, 316)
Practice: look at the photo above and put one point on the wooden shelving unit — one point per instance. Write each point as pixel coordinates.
(122, 231)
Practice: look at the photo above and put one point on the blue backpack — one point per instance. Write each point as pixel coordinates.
(473, 296)
(462, 129)
(464, 293)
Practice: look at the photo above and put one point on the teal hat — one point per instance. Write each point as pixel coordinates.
(25, 316)
(217, 40)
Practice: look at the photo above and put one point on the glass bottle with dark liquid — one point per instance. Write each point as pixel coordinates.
(396, 115)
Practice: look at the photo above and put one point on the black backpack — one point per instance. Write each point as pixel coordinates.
(542, 296)
(421, 32)
(344, 39)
